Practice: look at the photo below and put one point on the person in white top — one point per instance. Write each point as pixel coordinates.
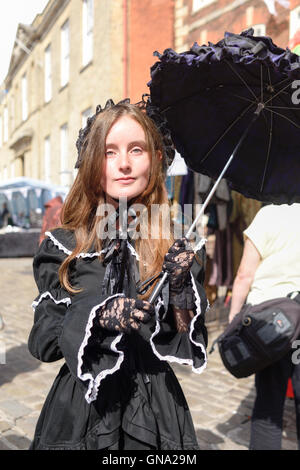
(270, 268)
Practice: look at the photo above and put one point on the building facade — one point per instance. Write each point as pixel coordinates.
(79, 53)
(75, 55)
(63, 64)
(150, 28)
(202, 21)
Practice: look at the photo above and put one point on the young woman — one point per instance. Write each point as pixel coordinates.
(116, 389)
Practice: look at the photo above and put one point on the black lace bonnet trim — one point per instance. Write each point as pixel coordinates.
(152, 112)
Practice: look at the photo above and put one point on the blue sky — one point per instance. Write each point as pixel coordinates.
(14, 12)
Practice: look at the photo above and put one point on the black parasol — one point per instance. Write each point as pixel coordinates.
(233, 109)
(211, 94)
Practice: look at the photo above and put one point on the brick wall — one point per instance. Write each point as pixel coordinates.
(150, 28)
(211, 22)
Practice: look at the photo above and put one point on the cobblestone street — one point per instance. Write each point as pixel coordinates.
(220, 404)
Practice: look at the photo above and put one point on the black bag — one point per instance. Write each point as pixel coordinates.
(260, 335)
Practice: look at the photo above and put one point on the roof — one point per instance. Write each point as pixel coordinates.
(21, 182)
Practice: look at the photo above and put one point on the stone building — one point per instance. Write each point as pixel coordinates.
(75, 55)
(206, 20)
(62, 66)
(78, 53)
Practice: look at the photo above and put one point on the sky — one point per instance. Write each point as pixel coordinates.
(14, 12)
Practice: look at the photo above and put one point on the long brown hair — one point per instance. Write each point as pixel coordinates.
(79, 211)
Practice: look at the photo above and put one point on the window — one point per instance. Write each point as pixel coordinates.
(64, 172)
(87, 31)
(48, 74)
(294, 21)
(259, 29)
(85, 115)
(197, 4)
(5, 124)
(12, 111)
(65, 53)
(24, 98)
(47, 160)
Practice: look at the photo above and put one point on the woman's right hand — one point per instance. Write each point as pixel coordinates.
(123, 314)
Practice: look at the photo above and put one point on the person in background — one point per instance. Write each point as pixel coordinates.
(51, 218)
(270, 268)
(5, 216)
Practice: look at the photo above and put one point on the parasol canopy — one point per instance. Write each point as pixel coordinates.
(240, 98)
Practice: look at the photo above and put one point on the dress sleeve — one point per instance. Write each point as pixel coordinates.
(188, 347)
(66, 326)
(50, 305)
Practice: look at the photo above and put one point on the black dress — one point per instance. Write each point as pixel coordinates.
(114, 391)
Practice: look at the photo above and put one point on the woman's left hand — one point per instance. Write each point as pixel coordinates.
(177, 263)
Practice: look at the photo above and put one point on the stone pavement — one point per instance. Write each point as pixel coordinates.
(219, 403)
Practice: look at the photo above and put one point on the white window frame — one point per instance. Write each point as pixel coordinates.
(199, 4)
(5, 124)
(48, 74)
(85, 115)
(12, 111)
(47, 159)
(87, 31)
(294, 21)
(259, 29)
(24, 97)
(64, 172)
(65, 53)
(5, 174)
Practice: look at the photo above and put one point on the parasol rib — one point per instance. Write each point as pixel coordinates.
(269, 143)
(283, 116)
(241, 78)
(278, 93)
(227, 130)
(242, 97)
(279, 83)
(283, 107)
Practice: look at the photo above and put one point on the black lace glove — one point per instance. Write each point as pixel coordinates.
(123, 314)
(177, 263)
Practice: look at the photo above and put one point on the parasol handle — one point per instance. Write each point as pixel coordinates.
(259, 108)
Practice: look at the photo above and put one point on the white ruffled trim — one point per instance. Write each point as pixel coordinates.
(60, 246)
(169, 358)
(85, 255)
(192, 328)
(94, 383)
(65, 300)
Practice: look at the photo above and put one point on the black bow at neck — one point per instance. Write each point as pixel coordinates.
(121, 274)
